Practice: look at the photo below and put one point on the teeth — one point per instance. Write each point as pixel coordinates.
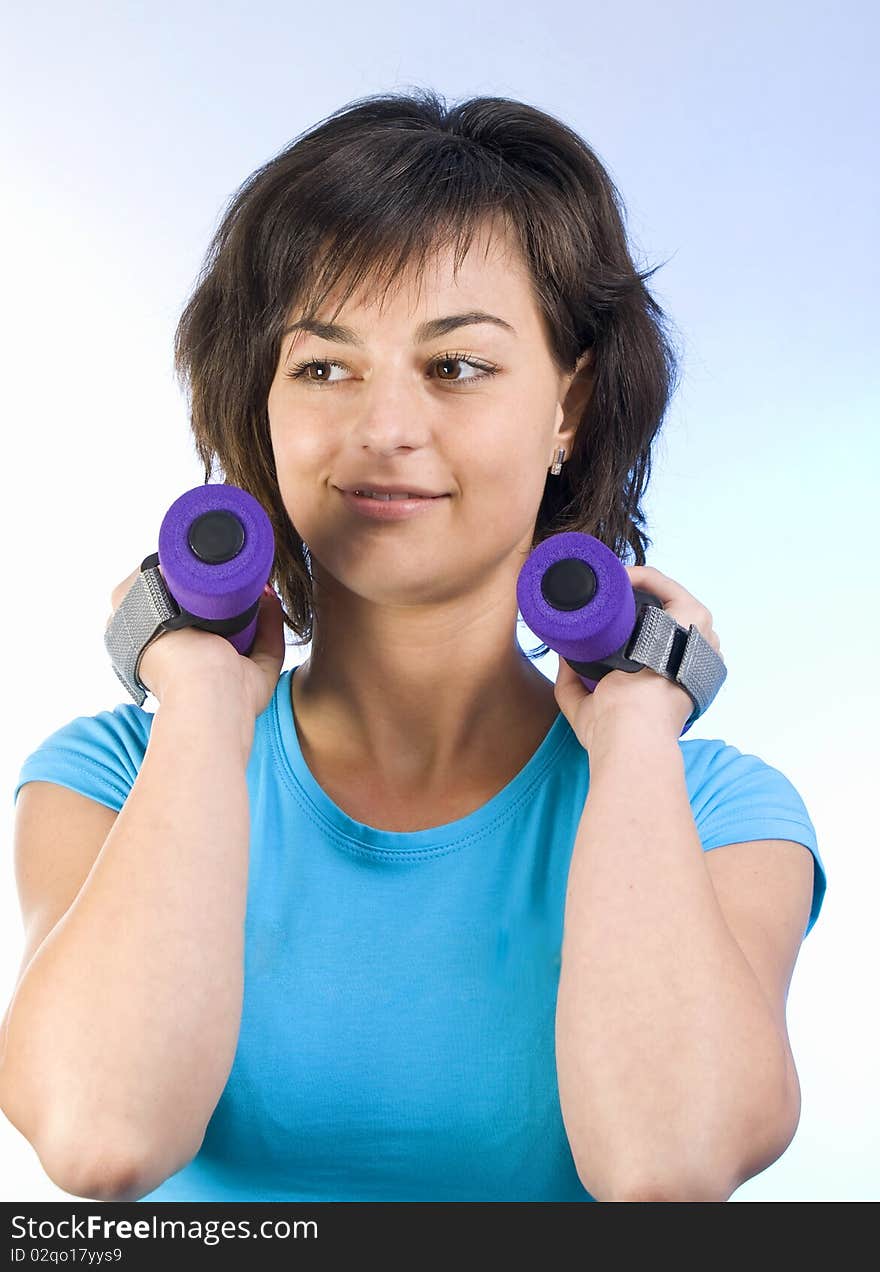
(369, 494)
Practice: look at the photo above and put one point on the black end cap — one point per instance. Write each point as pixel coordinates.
(568, 584)
(216, 536)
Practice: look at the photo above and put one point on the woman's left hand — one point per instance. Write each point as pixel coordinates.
(659, 706)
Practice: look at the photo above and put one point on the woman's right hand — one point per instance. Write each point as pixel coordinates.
(183, 655)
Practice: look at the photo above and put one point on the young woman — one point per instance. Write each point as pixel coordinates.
(410, 921)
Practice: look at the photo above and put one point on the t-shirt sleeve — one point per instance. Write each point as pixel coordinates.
(736, 797)
(98, 755)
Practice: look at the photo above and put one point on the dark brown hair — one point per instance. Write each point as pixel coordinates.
(369, 193)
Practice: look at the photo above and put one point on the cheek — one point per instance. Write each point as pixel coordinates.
(299, 444)
(302, 476)
(496, 508)
(513, 486)
(303, 457)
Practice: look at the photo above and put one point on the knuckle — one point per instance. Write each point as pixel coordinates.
(120, 589)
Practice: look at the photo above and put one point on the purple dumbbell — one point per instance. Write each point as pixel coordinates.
(576, 596)
(216, 549)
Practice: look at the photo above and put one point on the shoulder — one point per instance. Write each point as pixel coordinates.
(738, 798)
(98, 755)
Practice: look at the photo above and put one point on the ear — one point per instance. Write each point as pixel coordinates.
(578, 390)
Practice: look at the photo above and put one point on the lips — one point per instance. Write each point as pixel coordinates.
(388, 497)
(391, 509)
(371, 487)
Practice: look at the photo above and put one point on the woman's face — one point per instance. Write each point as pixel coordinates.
(400, 408)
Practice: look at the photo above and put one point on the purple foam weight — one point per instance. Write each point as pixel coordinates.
(590, 631)
(216, 550)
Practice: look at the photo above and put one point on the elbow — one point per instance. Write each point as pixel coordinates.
(108, 1175)
(669, 1187)
(662, 1183)
(756, 1145)
(111, 1172)
(109, 1168)
(91, 1165)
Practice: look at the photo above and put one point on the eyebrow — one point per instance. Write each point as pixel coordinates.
(429, 330)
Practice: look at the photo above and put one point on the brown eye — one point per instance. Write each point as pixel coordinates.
(459, 360)
(300, 371)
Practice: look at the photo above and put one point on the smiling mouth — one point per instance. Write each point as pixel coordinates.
(389, 507)
(363, 494)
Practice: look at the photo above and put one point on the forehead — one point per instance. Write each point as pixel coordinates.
(492, 275)
(491, 258)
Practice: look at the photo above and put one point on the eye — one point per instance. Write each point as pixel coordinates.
(461, 359)
(300, 370)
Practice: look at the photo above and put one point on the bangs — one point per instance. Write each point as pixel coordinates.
(384, 234)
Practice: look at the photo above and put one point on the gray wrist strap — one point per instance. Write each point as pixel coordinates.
(680, 654)
(145, 612)
(659, 642)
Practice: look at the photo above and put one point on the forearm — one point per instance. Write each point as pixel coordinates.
(659, 1016)
(123, 1028)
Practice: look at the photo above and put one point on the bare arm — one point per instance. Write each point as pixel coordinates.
(122, 1031)
(674, 1075)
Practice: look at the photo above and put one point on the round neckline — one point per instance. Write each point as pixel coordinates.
(328, 813)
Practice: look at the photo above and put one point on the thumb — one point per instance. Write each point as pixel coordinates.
(269, 640)
(570, 690)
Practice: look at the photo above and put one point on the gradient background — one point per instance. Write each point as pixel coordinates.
(742, 140)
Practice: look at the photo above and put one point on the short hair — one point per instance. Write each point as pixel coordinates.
(369, 193)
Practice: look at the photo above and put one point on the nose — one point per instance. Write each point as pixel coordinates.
(390, 415)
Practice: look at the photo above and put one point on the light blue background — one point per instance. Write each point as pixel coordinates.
(743, 141)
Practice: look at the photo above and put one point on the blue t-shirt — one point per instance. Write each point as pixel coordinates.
(397, 1031)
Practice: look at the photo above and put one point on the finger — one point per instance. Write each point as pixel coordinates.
(116, 596)
(651, 580)
(677, 601)
(269, 639)
(569, 689)
(668, 589)
(121, 588)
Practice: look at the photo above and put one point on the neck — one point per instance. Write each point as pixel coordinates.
(418, 694)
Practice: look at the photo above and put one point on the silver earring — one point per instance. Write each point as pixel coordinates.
(557, 463)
